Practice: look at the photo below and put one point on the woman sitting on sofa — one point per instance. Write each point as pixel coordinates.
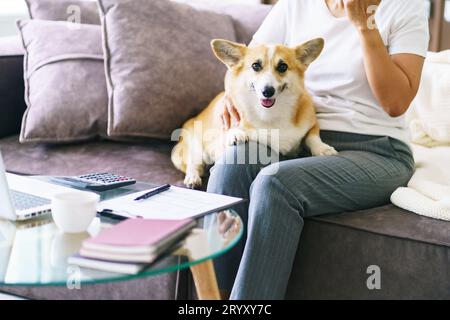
(362, 84)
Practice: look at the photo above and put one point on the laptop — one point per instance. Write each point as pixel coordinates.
(16, 205)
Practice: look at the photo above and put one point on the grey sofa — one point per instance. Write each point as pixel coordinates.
(412, 252)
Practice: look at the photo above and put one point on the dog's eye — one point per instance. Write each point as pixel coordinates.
(257, 66)
(282, 68)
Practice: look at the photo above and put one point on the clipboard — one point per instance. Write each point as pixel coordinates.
(174, 204)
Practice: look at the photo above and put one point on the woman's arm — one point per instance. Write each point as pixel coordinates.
(395, 79)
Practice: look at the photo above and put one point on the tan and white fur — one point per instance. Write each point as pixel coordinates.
(266, 85)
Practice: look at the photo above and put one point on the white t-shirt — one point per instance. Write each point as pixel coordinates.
(337, 79)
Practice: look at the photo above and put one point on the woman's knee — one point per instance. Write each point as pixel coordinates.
(266, 184)
(272, 200)
(273, 188)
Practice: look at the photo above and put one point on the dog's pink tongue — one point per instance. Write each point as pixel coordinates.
(267, 103)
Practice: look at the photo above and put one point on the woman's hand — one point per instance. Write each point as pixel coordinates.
(230, 115)
(362, 13)
(228, 226)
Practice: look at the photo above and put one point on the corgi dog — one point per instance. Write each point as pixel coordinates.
(266, 85)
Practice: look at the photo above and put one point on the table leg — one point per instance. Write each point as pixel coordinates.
(205, 281)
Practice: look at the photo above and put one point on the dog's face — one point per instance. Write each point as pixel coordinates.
(271, 73)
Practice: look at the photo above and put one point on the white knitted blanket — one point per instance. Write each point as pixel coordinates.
(428, 192)
(430, 116)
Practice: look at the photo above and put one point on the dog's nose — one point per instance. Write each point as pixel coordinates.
(268, 92)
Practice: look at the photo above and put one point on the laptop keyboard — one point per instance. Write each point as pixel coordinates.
(23, 201)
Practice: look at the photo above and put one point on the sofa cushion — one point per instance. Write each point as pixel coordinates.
(160, 68)
(336, 251)
(150, 161)
(247, 18)
(12, 104)
(64, 82)
(395, 222)
(77, 11)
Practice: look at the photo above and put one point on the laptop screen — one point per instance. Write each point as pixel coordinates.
(6, 208)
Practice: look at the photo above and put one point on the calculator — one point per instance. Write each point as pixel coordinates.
(96, 181)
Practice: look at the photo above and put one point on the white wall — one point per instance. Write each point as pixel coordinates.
(10, 11)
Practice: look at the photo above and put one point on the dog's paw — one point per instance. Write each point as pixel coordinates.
(323, 150)
(236, 137)
(193, 181)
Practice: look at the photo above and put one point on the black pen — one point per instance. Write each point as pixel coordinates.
(153, 192)
(120, 216)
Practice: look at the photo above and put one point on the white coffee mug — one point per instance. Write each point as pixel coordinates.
(73, 212)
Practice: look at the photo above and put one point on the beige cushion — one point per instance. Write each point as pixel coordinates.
(65, 89)
(160, 68)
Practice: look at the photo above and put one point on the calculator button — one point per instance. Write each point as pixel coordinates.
(103, 181)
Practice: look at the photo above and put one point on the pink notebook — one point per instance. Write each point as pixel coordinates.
(139, 234)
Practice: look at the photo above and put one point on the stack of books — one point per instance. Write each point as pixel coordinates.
(130, 246)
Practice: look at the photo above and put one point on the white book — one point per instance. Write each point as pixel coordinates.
(118, 250)
(109, 266)
(118, 257)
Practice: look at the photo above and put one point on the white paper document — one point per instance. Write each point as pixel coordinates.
(173, 204)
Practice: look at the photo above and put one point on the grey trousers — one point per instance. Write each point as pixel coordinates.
(363, 175)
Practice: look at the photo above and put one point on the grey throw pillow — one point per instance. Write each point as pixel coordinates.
(160, 68)
(65, 87)
(247, 18)
(79, 11)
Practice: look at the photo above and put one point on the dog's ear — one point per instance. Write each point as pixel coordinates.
(230, 53)
(310, 51)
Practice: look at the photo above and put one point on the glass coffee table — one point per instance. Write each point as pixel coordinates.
(35, 253)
